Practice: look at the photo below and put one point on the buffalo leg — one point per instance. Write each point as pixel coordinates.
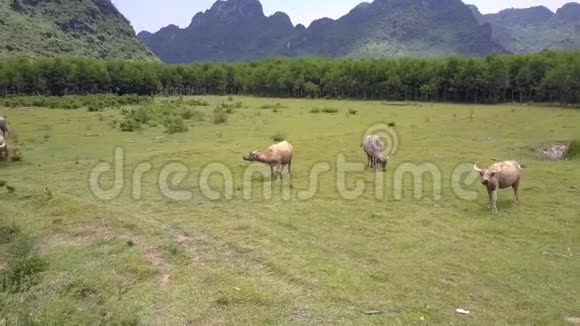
(493, 201)
(516, 200)
(290, 168)
(272, 175)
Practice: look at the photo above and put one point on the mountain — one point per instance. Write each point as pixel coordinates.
(238, 30)
(396, 28)
(233, 30)
(86, 28)
(535, 29)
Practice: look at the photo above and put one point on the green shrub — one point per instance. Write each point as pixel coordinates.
(16, 153)
(186, 113)
(352, 111)
(237, 105)
(219, 117)
(8, 233)
(197, 102)
(175, 125)
(329, 110)
(315, 110)
(573, 150)
(278, 137)
(272, 106)
(142, 114)
(130, 125)
(22, 275)
(20, 248)
(96, 107)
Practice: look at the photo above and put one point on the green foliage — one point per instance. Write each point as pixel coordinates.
(8, 233)
(94, 103)
(220, 117)
(197, 102)
(279, 136)
(231, 106)
(130, 124)
(273, 106)
(329, 110)
(23, 275)
(314, 110)
(175, 125)
(573, 150)
(542, 77)
(352, 112)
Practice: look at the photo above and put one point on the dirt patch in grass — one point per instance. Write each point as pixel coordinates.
(3, 264)
(77, 237)
(554, 151)
(158, 260)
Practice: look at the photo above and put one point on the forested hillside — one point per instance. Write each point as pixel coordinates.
(87, 28)
(547, 76)
(535, 29)
(238, 30)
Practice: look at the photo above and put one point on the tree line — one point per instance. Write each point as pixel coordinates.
(548, 76)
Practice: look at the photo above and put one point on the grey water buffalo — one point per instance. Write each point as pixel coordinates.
(276, 156)
(373, 147)
(498, 176)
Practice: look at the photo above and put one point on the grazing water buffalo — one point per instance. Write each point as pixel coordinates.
(276, 156)
(3, 126)
(498, 176)
(374, 147)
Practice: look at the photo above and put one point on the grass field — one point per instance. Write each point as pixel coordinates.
(71, 258)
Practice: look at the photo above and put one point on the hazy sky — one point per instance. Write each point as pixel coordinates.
(151, 15)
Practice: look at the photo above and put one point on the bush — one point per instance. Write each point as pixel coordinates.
(315, 110)
(130, 125)
(175, 125)
(237, 105)
(16, 153)
(278, 137)
(197, 102)
(96, 107)
(272, 106)
(392, 124)
(186, 114)
(329, 110)
(8, 233)
(352, 111)
(219, 117)
(20, 248)
(23, 275)
(573, 150)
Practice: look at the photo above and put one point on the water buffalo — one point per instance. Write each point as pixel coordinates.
(498, 176)
(276, 156)
(373, 147)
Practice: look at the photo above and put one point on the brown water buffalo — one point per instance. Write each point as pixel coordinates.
(498, 176)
